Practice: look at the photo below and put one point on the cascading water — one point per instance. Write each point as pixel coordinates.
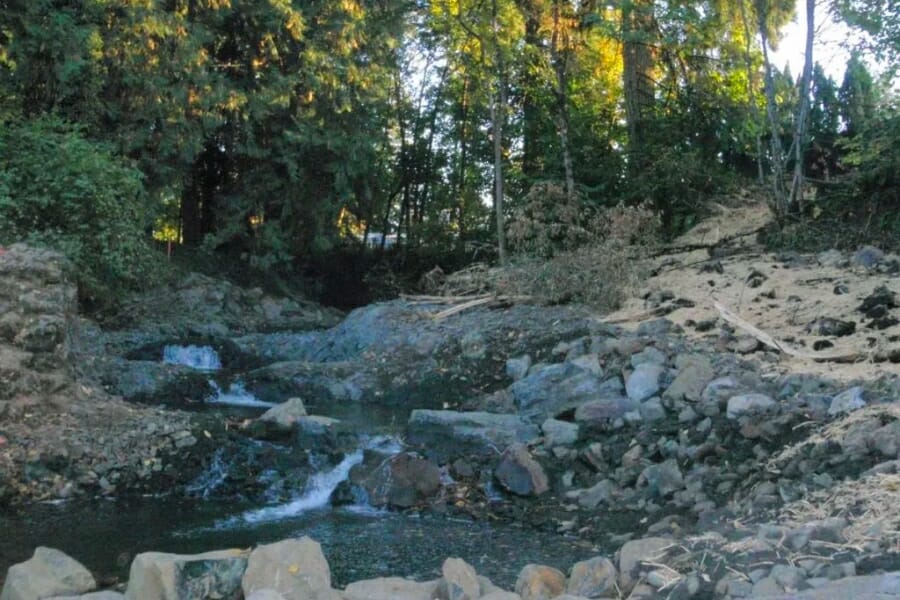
(202, 358)
(236, 395)
(211, 479)
(320, 487)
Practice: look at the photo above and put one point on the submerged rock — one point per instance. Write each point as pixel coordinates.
(404, 480)
(47, 573)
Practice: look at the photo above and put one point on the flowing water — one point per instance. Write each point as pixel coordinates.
(359, 541)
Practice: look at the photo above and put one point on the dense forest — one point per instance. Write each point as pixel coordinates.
(280, 132)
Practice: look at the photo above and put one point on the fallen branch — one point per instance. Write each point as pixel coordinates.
(708, 247)
(782, 347)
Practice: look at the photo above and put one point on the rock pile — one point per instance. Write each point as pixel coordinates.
(296, 569)
(38, 302)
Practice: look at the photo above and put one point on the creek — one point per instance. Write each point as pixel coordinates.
(359, 541)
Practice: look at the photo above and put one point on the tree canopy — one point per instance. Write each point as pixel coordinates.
(278, 130)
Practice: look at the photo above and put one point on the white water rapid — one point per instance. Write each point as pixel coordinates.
(236, 395)
(202, 358)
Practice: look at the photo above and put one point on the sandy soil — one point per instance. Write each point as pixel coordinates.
(796, 289)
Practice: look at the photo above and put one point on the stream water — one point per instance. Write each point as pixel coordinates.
(359, 541)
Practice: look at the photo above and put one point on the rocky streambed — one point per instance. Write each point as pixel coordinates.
(504, 435)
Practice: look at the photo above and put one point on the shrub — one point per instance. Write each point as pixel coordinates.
(599, 272)
(59, 189)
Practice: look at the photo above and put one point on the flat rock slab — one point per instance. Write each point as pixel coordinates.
(446, 434)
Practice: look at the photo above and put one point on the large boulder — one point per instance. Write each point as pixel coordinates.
(459, 581)
(554, 389)
(539, 582)
(162, 576)
(47, 573)
(286, 414)
(296, 568)
(391, 588)
(445, 434)
(520, 474)
(403, 480)
(594, 578)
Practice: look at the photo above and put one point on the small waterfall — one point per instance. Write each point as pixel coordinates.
(202, 358)
(320, 487)
(317, 494)
(237, 395)
(210, 480)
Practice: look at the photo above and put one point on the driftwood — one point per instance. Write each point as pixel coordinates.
(462, 303)
(781, 346)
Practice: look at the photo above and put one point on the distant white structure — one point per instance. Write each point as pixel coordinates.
(374, 239)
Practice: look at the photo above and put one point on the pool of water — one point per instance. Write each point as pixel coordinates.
(359, 544)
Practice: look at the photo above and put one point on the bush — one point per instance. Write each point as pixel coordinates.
(61, 190)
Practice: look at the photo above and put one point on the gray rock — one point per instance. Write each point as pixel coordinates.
(633, 552)
(589, 362)
(559, 433)
(285, 414)
(594, 578)
(403, 480)
(47, 573)
(520, 474)
(601, 492)
(867, 257)
(391, 588)
(161, 576)
(648, 355)
(294, 568)
(539, 582)
(501, 595)
(644, 381)
(690, 381)
(662, 479)
(747, 404)
(517, 368)
(548, 391)
(602, 413)
(847, 401)
(652, 410)
(832, 258)
(459, 582)
(445, 435)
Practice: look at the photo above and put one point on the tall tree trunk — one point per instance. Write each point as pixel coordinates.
(498, 113)
(751, 94)
(778, 191)
(637, 76)
(531, 110)
(800, 126)
(559, 58)
(459, 192)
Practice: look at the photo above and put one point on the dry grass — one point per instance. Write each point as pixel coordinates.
(871, 506)
(600, 272)
(836, 431)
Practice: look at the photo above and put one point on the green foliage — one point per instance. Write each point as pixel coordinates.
(59, 189)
